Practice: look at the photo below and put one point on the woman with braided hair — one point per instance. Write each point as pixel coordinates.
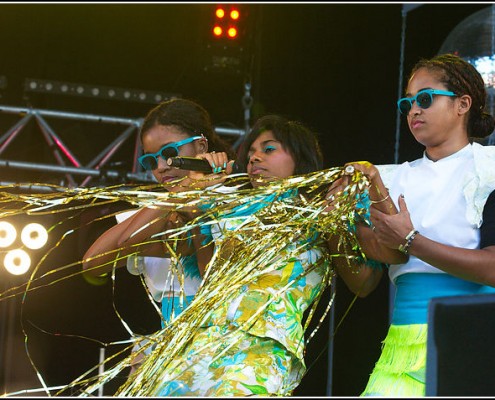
(446, 219)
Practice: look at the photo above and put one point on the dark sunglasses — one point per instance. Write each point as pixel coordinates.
(150, 161)
(424, 99)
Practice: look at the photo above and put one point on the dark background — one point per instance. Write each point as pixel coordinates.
(335, 67)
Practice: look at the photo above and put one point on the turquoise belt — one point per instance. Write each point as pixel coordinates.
(415, 290)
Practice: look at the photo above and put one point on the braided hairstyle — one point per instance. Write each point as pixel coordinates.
(189, 118)
(461, 77)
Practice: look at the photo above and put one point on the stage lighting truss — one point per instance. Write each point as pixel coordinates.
(66, 159)
(68, 162)
(19, 243)
(96, 91)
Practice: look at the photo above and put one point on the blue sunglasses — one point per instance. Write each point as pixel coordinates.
(150, 161)
(424, 99)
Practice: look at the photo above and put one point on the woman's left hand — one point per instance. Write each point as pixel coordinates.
(391, 230)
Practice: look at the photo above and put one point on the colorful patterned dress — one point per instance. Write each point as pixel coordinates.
(244, 332)
(253, 342)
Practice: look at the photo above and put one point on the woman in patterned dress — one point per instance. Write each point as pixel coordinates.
(244, 334)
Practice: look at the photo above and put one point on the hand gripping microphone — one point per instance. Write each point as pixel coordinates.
(194, 164)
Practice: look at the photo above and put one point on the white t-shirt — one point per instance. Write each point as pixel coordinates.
(156, 271)
(434, 191)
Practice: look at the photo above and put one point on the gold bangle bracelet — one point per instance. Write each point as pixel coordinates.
(381, 201)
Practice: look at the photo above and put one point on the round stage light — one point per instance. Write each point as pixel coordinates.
(219, 12)
(217, 30)
(17, 262)
(232, 32)
(34, 236)
(7, 234)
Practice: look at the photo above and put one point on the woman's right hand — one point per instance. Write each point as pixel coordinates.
(365, 167)
(218, 161)
(197, 180)
(339, 184)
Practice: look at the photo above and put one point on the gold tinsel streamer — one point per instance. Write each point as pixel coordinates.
(285, 220)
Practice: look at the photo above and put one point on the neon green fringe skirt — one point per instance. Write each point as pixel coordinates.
(400, 370)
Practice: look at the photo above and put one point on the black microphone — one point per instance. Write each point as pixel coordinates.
(195, 164)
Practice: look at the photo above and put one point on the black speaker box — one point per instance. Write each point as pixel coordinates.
(461, 346)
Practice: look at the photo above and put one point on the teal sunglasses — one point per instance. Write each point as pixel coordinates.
(150, 161)
(424, 99)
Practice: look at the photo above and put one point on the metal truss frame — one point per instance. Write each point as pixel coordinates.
(63, 155)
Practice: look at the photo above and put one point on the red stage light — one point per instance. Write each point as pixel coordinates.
(220, 12)
(217, 31)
